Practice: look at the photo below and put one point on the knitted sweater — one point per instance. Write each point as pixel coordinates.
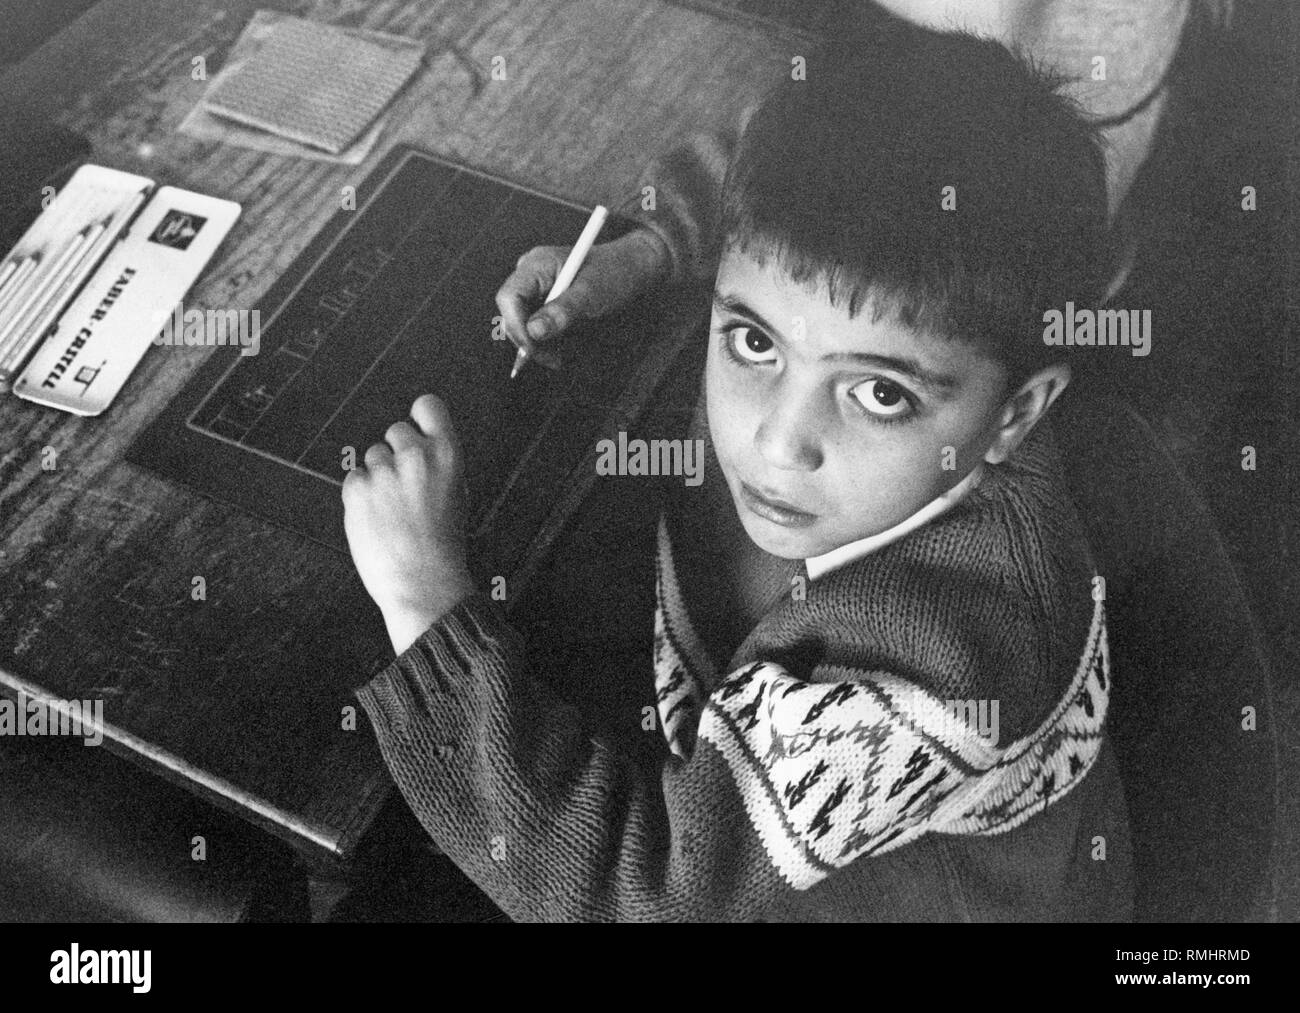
(821, 772)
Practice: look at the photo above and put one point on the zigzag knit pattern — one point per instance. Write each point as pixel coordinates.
(832, 772)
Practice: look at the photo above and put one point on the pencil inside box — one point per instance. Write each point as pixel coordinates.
(52, 261)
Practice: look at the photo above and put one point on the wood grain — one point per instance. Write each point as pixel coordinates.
(239, 697)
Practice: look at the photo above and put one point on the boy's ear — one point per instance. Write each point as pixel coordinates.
(1024, 408)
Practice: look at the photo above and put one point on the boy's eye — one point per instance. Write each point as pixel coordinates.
(882, 397)
(752, 345)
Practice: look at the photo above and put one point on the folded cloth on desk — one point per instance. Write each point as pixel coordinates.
(202, 125)
(313, 84)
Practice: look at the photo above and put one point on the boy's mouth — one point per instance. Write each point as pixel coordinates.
(778, 511)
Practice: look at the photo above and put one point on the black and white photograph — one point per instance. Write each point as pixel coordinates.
(478, 462)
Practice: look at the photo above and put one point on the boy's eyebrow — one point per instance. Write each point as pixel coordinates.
(901, 363)
(733, 304)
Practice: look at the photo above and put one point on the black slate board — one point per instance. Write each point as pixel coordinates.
(391, 301)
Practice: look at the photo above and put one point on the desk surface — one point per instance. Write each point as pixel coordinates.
(227, 696)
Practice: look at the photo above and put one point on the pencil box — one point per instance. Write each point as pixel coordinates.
(87, 288)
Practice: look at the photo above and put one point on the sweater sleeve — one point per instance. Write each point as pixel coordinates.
(789, 781)
(550, 821)
(687, 183)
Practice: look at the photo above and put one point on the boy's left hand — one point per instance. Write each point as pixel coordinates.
(404, 516)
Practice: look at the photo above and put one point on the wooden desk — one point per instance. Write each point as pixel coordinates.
(239, 698)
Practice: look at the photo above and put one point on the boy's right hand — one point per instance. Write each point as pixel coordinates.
(612, 275)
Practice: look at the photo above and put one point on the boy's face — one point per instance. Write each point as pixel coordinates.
(831, 428)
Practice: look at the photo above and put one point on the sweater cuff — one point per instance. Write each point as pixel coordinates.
(665, 236)
(433, 676)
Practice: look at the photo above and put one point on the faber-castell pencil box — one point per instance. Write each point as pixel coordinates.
(83, 292)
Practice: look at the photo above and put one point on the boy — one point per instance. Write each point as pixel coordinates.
(893, 706)
(1155, 54)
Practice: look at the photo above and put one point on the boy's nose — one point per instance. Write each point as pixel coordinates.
(787, 438)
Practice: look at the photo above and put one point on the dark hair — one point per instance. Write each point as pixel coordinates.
(840, 178)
